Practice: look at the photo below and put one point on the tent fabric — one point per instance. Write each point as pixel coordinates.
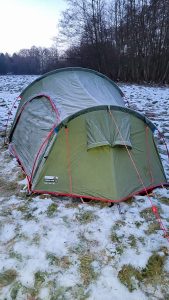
(74, 89)
(101, 131)
(102, 172)
(34, 124)
(72, 133)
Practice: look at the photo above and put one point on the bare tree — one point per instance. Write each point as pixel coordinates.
(126, 39)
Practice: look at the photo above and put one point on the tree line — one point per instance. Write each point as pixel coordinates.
(128, 40)
(29, 61)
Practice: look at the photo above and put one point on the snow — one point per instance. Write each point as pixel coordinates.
(33, 242)
(28, 227)
(44, 293)
(31, 266)
(135, 259)
(162, 192)
(167, 265)
(108, 287)
(10, 87)
(7, 232)
(69, 278)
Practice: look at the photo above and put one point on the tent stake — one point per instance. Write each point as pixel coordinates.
(119, 208)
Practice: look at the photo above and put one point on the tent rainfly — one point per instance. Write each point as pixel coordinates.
(73, 135)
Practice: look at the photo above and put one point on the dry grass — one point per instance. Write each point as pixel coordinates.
(86, 269)
(62, 262)
(153, 273)
(8, 188)
(86, 217)
(152, 228)
(7, 277)
(128, 276)
(52, 209)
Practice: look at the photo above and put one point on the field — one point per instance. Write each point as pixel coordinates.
(60, 248)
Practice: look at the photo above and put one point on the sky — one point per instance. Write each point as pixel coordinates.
(24, 23)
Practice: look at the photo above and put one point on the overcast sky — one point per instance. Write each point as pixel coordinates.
(24, 23)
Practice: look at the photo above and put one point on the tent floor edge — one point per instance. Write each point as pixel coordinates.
(140, 192)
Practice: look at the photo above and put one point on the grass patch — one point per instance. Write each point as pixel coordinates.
(152, 274)
(152, 228)
(165, 250)
(142, 240)
(8, 188)
(104, 258)
(39, 278)
(86, 217)
(132, 241)
(36, 239)
(65, 263)
(26, 211)
(15, 255)
(6, 212)
(164, 200)
(147, 214)
(120, 249)
(31, 293)
(138, 224)
(15, 290)
(118, 224)
(79, 293)
(83, 245)
(86, 269)
(52, 208)
(114, 237)
(153, 271)
(62, 262)
(28, 217)
(7, 277)
(128, 276)
(59, 293)
(23, 208)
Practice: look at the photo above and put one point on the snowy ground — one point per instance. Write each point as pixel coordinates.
(58, 248)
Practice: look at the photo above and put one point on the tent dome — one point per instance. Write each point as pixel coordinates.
(74, 89)
(73, 135)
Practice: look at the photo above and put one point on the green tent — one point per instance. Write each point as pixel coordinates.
(73, 136)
